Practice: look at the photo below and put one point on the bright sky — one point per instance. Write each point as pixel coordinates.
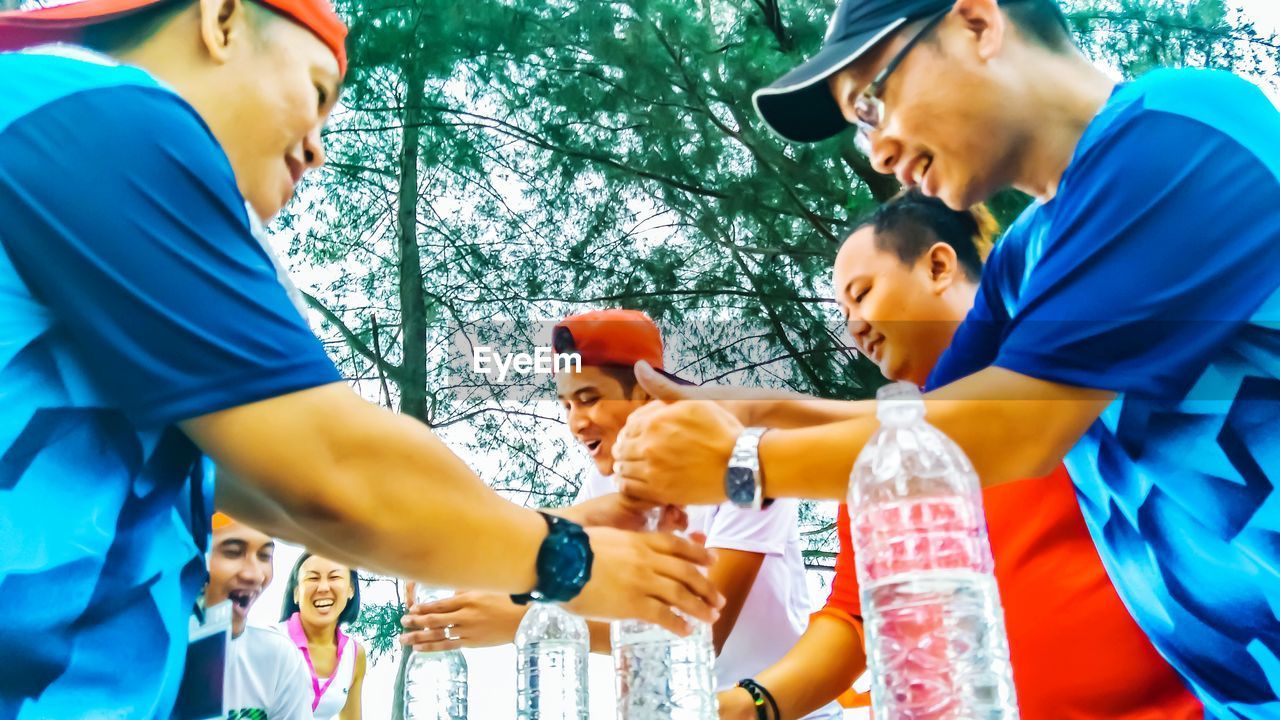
(1263, 12)
(1265, 15)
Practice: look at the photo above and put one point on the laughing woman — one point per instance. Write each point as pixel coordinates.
(321, 597)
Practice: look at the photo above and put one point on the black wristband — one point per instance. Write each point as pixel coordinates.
(761, 695)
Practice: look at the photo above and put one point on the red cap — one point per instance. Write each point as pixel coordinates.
(610, 337)
(62, 23)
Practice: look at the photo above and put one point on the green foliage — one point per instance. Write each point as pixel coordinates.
(379, 627)
(1135, 36)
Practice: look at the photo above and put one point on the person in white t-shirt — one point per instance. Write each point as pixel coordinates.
(759, 567)
(265, 678)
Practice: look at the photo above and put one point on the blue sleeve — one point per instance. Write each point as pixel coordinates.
(977, 340)
(122, 216)
(1164, 239)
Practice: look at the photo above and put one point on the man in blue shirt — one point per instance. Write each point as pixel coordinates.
(1129, 321)
(143, 325)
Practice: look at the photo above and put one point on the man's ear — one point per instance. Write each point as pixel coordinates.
(944, 266)
(222, 22)
(985, 23)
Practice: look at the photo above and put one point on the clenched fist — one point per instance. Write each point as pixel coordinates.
(676, 452)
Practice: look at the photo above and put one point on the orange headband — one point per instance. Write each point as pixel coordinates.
(221, 520)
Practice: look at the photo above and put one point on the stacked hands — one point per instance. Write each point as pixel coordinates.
(672, 452)
(676, 448)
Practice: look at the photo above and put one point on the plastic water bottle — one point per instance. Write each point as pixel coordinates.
(936, 642)
(661, 676)
(435, 683)
(552, 646)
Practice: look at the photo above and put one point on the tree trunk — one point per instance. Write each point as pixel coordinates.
(397, 702)
(413, 312)
(773, 20)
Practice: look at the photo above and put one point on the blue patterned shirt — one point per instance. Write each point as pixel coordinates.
(1155, 273)
(132, 296)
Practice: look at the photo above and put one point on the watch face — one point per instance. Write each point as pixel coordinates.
(569, 561)
(564, 563)
(740, 485)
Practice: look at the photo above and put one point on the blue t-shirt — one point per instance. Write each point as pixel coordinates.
(1155, 273)
(132, 295)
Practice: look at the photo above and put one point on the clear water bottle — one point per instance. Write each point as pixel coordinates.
(661, 676)
(435, 683)
(936, 642)
(552, 646)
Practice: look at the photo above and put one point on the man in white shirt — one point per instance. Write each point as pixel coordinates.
(759, 567)
(265, 675)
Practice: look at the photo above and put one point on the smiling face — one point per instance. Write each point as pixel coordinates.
(900, 315)
(951, 125)
(239, 570)
(286, 81)
(264, 85)
(597, 406)
(323, 591)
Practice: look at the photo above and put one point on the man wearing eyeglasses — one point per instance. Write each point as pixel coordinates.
(1129, 321)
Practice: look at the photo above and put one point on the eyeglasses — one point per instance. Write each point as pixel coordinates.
(868, 108)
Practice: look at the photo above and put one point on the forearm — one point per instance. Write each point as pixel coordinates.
(799, 412)
(570, 513)
(784, 409)
(575, 513)
(378, 491)
(819, 667)
(1010, 427)
(418, 511)
(734, 573)
(812, 462)
(604, 510)
(601, 639)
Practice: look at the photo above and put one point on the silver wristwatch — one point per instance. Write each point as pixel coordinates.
(743, 483)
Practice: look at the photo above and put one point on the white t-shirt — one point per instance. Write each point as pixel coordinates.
(265, 674)
(777, 608)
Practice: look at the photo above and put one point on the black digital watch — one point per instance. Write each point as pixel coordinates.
(563, 564)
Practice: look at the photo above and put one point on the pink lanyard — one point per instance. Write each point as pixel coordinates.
(299, 637)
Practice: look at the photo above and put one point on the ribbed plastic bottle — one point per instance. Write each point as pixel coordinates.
(552, 646)
(435, 683)
(935, 634)
(661, 676)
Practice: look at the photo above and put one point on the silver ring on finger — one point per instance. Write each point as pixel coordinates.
(448, 633)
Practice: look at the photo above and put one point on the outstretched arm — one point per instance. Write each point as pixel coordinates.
(1010, 425)
(756, 407)
(822, 664)
(324, 468)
